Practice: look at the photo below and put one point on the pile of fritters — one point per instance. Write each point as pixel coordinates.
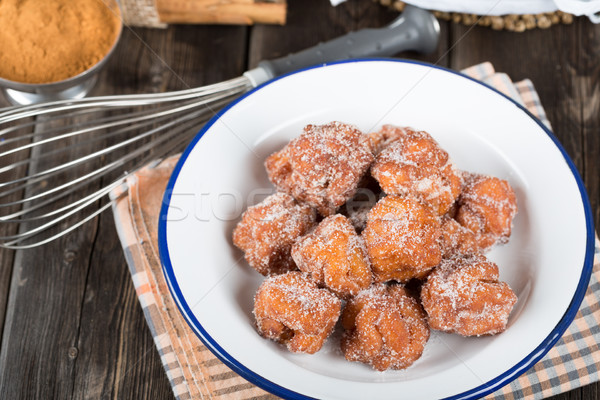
(382, 232)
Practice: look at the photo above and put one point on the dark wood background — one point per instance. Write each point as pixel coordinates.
(70, 323)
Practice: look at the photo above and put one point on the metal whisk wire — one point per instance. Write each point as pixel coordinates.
(88, 147)
(144, 128)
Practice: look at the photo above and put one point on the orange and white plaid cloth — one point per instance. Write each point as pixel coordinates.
(195, 373)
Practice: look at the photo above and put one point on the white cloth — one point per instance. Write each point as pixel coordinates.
(503, 7)
(488, 7)
(591, 8)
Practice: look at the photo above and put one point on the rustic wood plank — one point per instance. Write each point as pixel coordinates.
(553, 52)
(54, 288)
(114, 355)
(8, 229)
(563, 64)
(6, 264)
(243, 12)
(326, 22)
(109, 311)
(117, 357)
(584, 76)
(74, 326)
(566, 74)
(46, 288)
(587, 77)
(42, 320)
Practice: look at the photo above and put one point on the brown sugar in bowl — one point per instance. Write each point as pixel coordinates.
(52, 49)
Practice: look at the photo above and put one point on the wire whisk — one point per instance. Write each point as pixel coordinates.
(92, 149)
(59, 160)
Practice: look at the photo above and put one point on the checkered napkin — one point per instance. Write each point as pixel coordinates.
(195, 373)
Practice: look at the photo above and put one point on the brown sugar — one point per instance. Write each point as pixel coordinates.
(44, 41)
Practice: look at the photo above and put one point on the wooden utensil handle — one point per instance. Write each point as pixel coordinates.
(244, 12)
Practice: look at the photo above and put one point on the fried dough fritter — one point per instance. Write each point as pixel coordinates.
(322, 166)
(335, 256)
(487, 207)
(268, 230)
(456, 240)
(463, 295)
(387, 135)
(403, 239)
(415, 165)
(292, 310)
(384, 327)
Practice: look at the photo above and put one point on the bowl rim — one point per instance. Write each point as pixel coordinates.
(475, 393)
(73, 80)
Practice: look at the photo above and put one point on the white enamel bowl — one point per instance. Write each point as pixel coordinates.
(547, 262)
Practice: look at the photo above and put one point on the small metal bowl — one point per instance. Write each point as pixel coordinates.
(76, 87)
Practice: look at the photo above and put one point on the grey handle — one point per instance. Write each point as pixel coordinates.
(415, 29)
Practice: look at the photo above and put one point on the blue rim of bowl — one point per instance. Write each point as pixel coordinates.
(477, 392)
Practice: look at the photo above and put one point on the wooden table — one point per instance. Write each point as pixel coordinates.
(70, 323)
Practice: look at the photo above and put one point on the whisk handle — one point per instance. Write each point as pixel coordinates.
(415, 29)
